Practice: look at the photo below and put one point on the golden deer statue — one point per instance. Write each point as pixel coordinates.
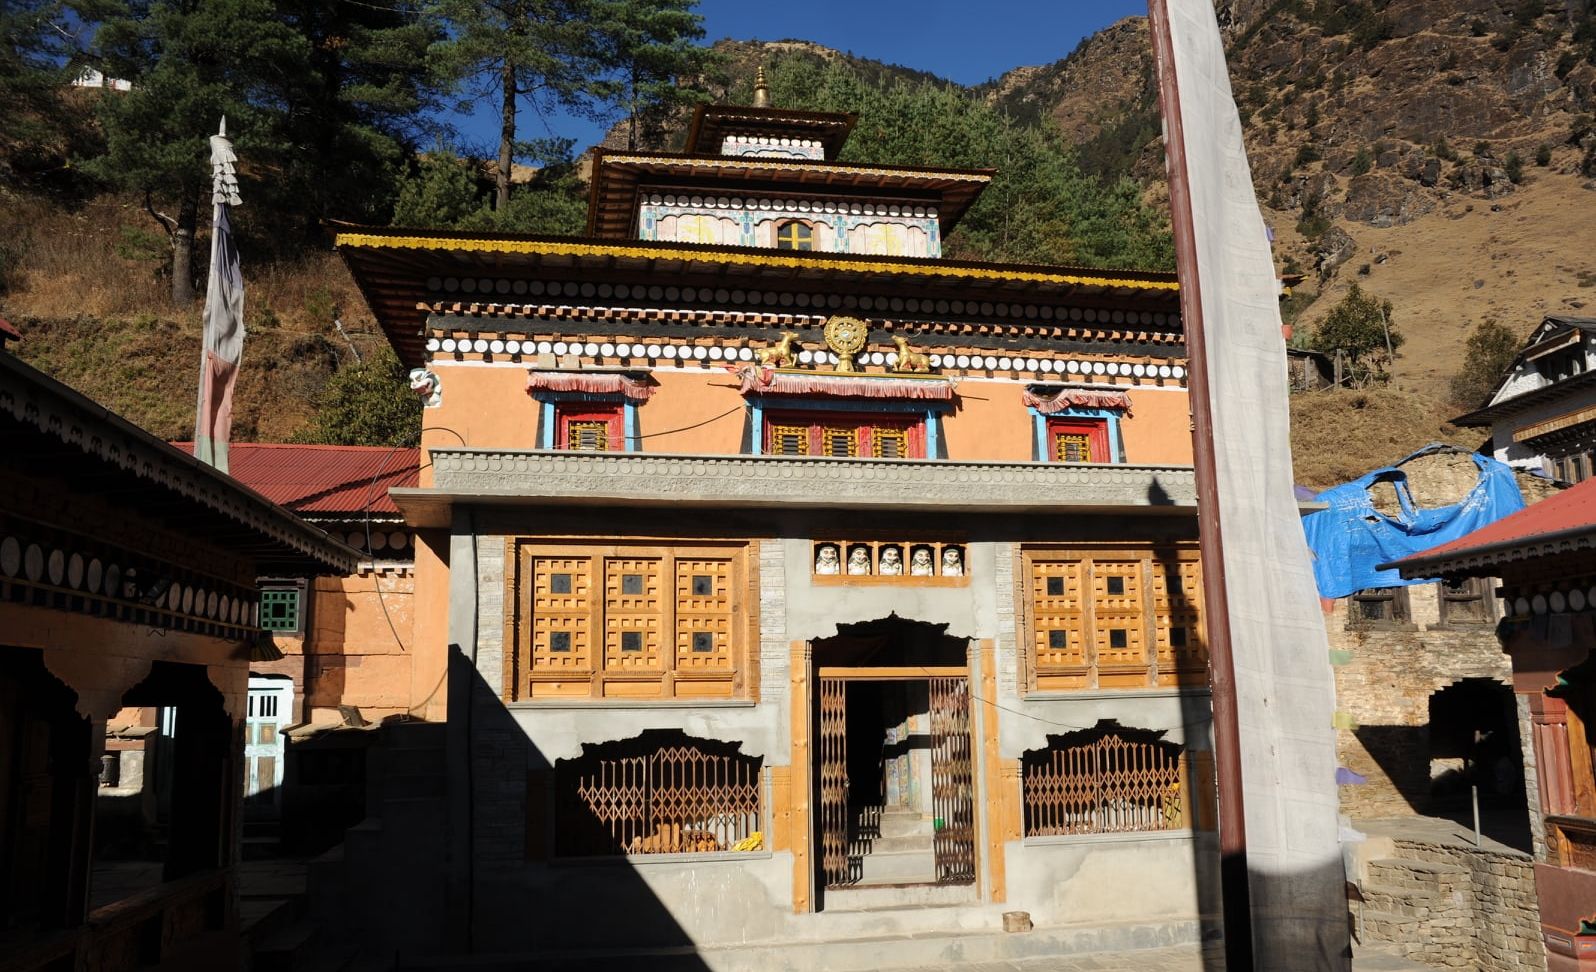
(780, 354)
(910, 360)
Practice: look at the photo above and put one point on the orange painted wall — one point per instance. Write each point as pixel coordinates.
(701, 411)
(1159, 428)
(360, 640)
(430, 645)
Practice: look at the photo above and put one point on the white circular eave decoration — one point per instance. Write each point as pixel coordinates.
(33, 562)
(398, 540)
(1558, 602)
(56, 567)
(91, 578)
(75, 571)
(10, 556)
(1538, 604)
(1576, 600)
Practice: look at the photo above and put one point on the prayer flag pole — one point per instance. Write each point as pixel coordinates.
(1283, 895)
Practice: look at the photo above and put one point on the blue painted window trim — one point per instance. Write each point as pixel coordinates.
(548, 425)
(1116, 444)
(930, 413)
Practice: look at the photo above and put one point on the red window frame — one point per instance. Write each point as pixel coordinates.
(1095, 430)
(610, 416)
(864, 427)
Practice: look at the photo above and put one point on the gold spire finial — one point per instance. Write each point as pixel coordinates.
(761, 89)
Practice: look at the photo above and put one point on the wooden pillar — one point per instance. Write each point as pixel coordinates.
(801, 827)
(997, 796)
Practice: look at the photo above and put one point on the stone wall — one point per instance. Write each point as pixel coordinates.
(1451, 905)
(1384, 679)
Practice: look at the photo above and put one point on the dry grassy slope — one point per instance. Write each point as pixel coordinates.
(1515, 260)
(94, 315)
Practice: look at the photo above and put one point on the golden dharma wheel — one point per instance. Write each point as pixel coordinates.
(846, 337)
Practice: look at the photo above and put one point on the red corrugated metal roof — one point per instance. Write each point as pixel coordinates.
(323, 479)
(9, 331)
(1571, 510)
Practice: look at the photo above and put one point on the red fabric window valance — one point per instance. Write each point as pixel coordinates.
(1051, 402)
(631, 387)
(768, 381)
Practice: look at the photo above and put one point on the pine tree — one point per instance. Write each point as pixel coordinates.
(441, 193)
(1487, 354)
(655, 65)
(39, 126)
(368, 403)
(190, 64)
(541, 53)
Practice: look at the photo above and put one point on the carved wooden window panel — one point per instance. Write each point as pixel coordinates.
(563, 615)
(1112, 618)
(629, 620)
(1179, 637)
(633, 614)
(845, 436)
(703, 615)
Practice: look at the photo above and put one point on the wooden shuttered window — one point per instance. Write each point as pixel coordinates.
(845, 436)
(630, 621)
(1112, 618)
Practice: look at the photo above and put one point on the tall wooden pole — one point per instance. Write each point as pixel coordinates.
(1216, 600)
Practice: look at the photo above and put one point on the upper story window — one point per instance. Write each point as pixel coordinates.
(1466, 600)
(1567, 364)
(1078, 440)
(844, 435)
(795, 234)
(1375, 607)
(281, 609)
(590, 428)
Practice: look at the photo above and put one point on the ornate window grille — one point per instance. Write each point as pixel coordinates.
(662, 792)
(1105, 780)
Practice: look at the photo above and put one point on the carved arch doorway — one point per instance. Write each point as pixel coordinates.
(892, 769)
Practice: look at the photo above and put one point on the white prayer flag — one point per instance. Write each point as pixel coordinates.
(1284, 688)
(223, 340)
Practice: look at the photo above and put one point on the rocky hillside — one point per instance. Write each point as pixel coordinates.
(1438, 153)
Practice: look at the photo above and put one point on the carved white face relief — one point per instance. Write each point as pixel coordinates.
(826, 561)
(952, 562)
(891, 561)
(859, 561)
(920, 564)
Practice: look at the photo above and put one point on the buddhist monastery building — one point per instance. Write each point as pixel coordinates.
(129, 621)
(786, 574)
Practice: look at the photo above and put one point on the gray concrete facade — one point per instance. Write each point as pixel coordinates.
(1112, 883)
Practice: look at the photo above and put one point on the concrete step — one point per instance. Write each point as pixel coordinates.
(904, 823)
(908, 842)
(898, 867)
(906, 909)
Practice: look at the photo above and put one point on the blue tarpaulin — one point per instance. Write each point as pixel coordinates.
(1350, 538)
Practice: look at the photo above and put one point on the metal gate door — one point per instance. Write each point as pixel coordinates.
(952, 781)
(834, 781)
(270, 707)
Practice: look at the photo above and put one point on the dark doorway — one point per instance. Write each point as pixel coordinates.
(1475, 748)
(895, 781)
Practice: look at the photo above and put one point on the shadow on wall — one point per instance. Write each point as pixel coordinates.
(503, 816)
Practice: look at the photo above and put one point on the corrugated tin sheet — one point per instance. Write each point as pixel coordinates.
(323, 480)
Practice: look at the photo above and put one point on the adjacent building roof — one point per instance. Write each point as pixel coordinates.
(324, 481)
(620, 177)
(402, 273)
(1554, 333)
(1561, 523)
(47, 425)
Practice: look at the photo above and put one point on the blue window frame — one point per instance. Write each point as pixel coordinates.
(551, 404)
(1044, 445)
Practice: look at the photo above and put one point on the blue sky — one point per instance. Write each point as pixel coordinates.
(968, 42)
